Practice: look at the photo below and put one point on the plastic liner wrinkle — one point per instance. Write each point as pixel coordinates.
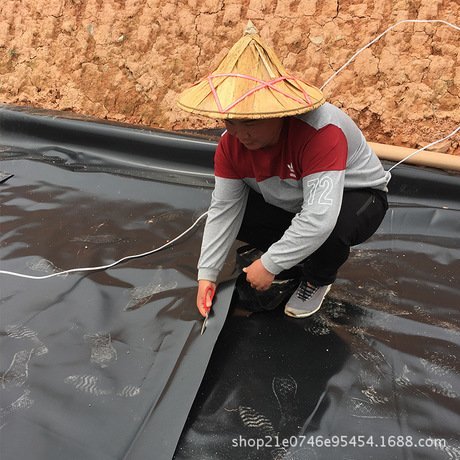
(155, 397)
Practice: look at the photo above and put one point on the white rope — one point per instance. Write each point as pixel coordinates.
(380, 36)
(105, 267)
(455, 131)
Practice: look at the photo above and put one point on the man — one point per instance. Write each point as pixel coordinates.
(295, 177)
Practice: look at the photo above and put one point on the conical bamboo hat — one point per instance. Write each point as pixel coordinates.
(250, 82)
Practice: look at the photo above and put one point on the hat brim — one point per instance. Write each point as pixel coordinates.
(250, 115)
(239, 96)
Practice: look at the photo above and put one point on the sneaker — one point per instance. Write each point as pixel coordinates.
(306, 300)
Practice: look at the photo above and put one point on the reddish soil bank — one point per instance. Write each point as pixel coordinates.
(127, 60)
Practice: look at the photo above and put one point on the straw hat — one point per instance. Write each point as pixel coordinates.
(250, 82)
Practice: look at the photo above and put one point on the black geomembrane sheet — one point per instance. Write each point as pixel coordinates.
(111, 364)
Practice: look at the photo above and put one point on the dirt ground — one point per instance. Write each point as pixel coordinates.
(127, 60)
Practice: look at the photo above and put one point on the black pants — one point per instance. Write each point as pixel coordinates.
(361, 213)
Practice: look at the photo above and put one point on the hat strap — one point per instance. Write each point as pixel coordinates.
(263, 84)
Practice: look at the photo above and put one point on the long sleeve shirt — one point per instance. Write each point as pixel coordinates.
(318, 156)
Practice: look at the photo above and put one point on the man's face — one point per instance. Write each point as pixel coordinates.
(256, 134)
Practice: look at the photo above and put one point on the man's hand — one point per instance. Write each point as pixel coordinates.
(201, 302)
(258, 276)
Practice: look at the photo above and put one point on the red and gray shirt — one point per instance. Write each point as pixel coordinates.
(318, 155)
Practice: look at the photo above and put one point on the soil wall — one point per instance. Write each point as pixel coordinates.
(127, 60)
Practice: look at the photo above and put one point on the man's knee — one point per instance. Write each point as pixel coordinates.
(361, 214)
